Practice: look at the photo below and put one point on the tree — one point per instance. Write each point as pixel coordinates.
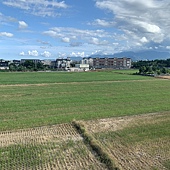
(164, 70)
(142, 70)
(12, 67)
(40, 66)
(29, 64)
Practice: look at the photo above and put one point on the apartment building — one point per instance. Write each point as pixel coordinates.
(114, 63)
(63, 63)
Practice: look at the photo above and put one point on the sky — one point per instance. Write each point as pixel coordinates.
(50, 29)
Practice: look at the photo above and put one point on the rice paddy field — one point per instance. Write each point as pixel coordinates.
(37, 110)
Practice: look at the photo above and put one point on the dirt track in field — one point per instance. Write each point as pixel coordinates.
(164, 77)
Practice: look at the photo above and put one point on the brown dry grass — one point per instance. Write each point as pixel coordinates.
(62, 147)
(138, 155)
(59, 147)
(164, 77)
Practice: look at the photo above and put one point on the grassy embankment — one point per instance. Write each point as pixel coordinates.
(27, 102)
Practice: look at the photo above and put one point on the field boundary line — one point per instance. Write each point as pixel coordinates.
(86, 82)
(103, 155)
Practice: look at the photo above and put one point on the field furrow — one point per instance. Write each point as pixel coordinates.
(133, 141)
(46, 148)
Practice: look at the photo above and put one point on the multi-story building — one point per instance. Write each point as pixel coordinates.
(35, 61)
(62, 63)
(115, 63)
(88, 60)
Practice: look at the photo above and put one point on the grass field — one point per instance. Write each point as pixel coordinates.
(31, 104)
(64, 77)
(109, 94)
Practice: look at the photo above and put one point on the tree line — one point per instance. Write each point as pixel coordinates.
(152, 67)
(28, 66)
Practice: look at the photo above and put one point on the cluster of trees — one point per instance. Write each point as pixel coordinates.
(153, 67)
(27, 66)
(153, 70)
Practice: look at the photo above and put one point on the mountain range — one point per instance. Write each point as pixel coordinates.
(135, 56)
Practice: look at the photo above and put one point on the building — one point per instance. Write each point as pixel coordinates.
(35, 61)
(113, 63)
(4, 65)
(88, 60)
(62, 63)
(82, 67)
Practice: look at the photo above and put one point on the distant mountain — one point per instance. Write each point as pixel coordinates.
(140, 55)
(76, 58)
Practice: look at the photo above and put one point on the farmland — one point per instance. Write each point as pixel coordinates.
(36, 111)
(135, 142)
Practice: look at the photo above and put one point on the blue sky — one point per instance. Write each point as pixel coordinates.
(48, 29)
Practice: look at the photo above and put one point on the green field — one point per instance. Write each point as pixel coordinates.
(65, 77)
(42, 99)
(36, 99)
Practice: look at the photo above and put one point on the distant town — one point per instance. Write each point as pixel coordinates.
(65, 64)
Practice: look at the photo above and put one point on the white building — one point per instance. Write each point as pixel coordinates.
(82, 67)
(63, 63)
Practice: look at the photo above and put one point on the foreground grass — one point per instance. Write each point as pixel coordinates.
(46, 104)
(13, 156)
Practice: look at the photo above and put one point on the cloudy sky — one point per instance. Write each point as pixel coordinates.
(48, 29)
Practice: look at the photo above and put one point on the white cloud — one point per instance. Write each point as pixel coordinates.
(149, 19)
(38, 7)
(33, 53)
(73, 33)
(22, 25)
(151, 28)
(6, 34)
(144, 40)
(66, 39)
(78, 37)
(77, 54)
(4, 18)
(103, 23)
(51, 33)
(168, 47)
(46, 54)
(22, 53)
(96, 41)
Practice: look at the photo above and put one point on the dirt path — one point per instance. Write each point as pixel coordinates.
(164, 77)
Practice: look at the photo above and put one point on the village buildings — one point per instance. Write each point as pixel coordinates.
(67, 64)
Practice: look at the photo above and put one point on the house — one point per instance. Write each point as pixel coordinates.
(4, 65)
